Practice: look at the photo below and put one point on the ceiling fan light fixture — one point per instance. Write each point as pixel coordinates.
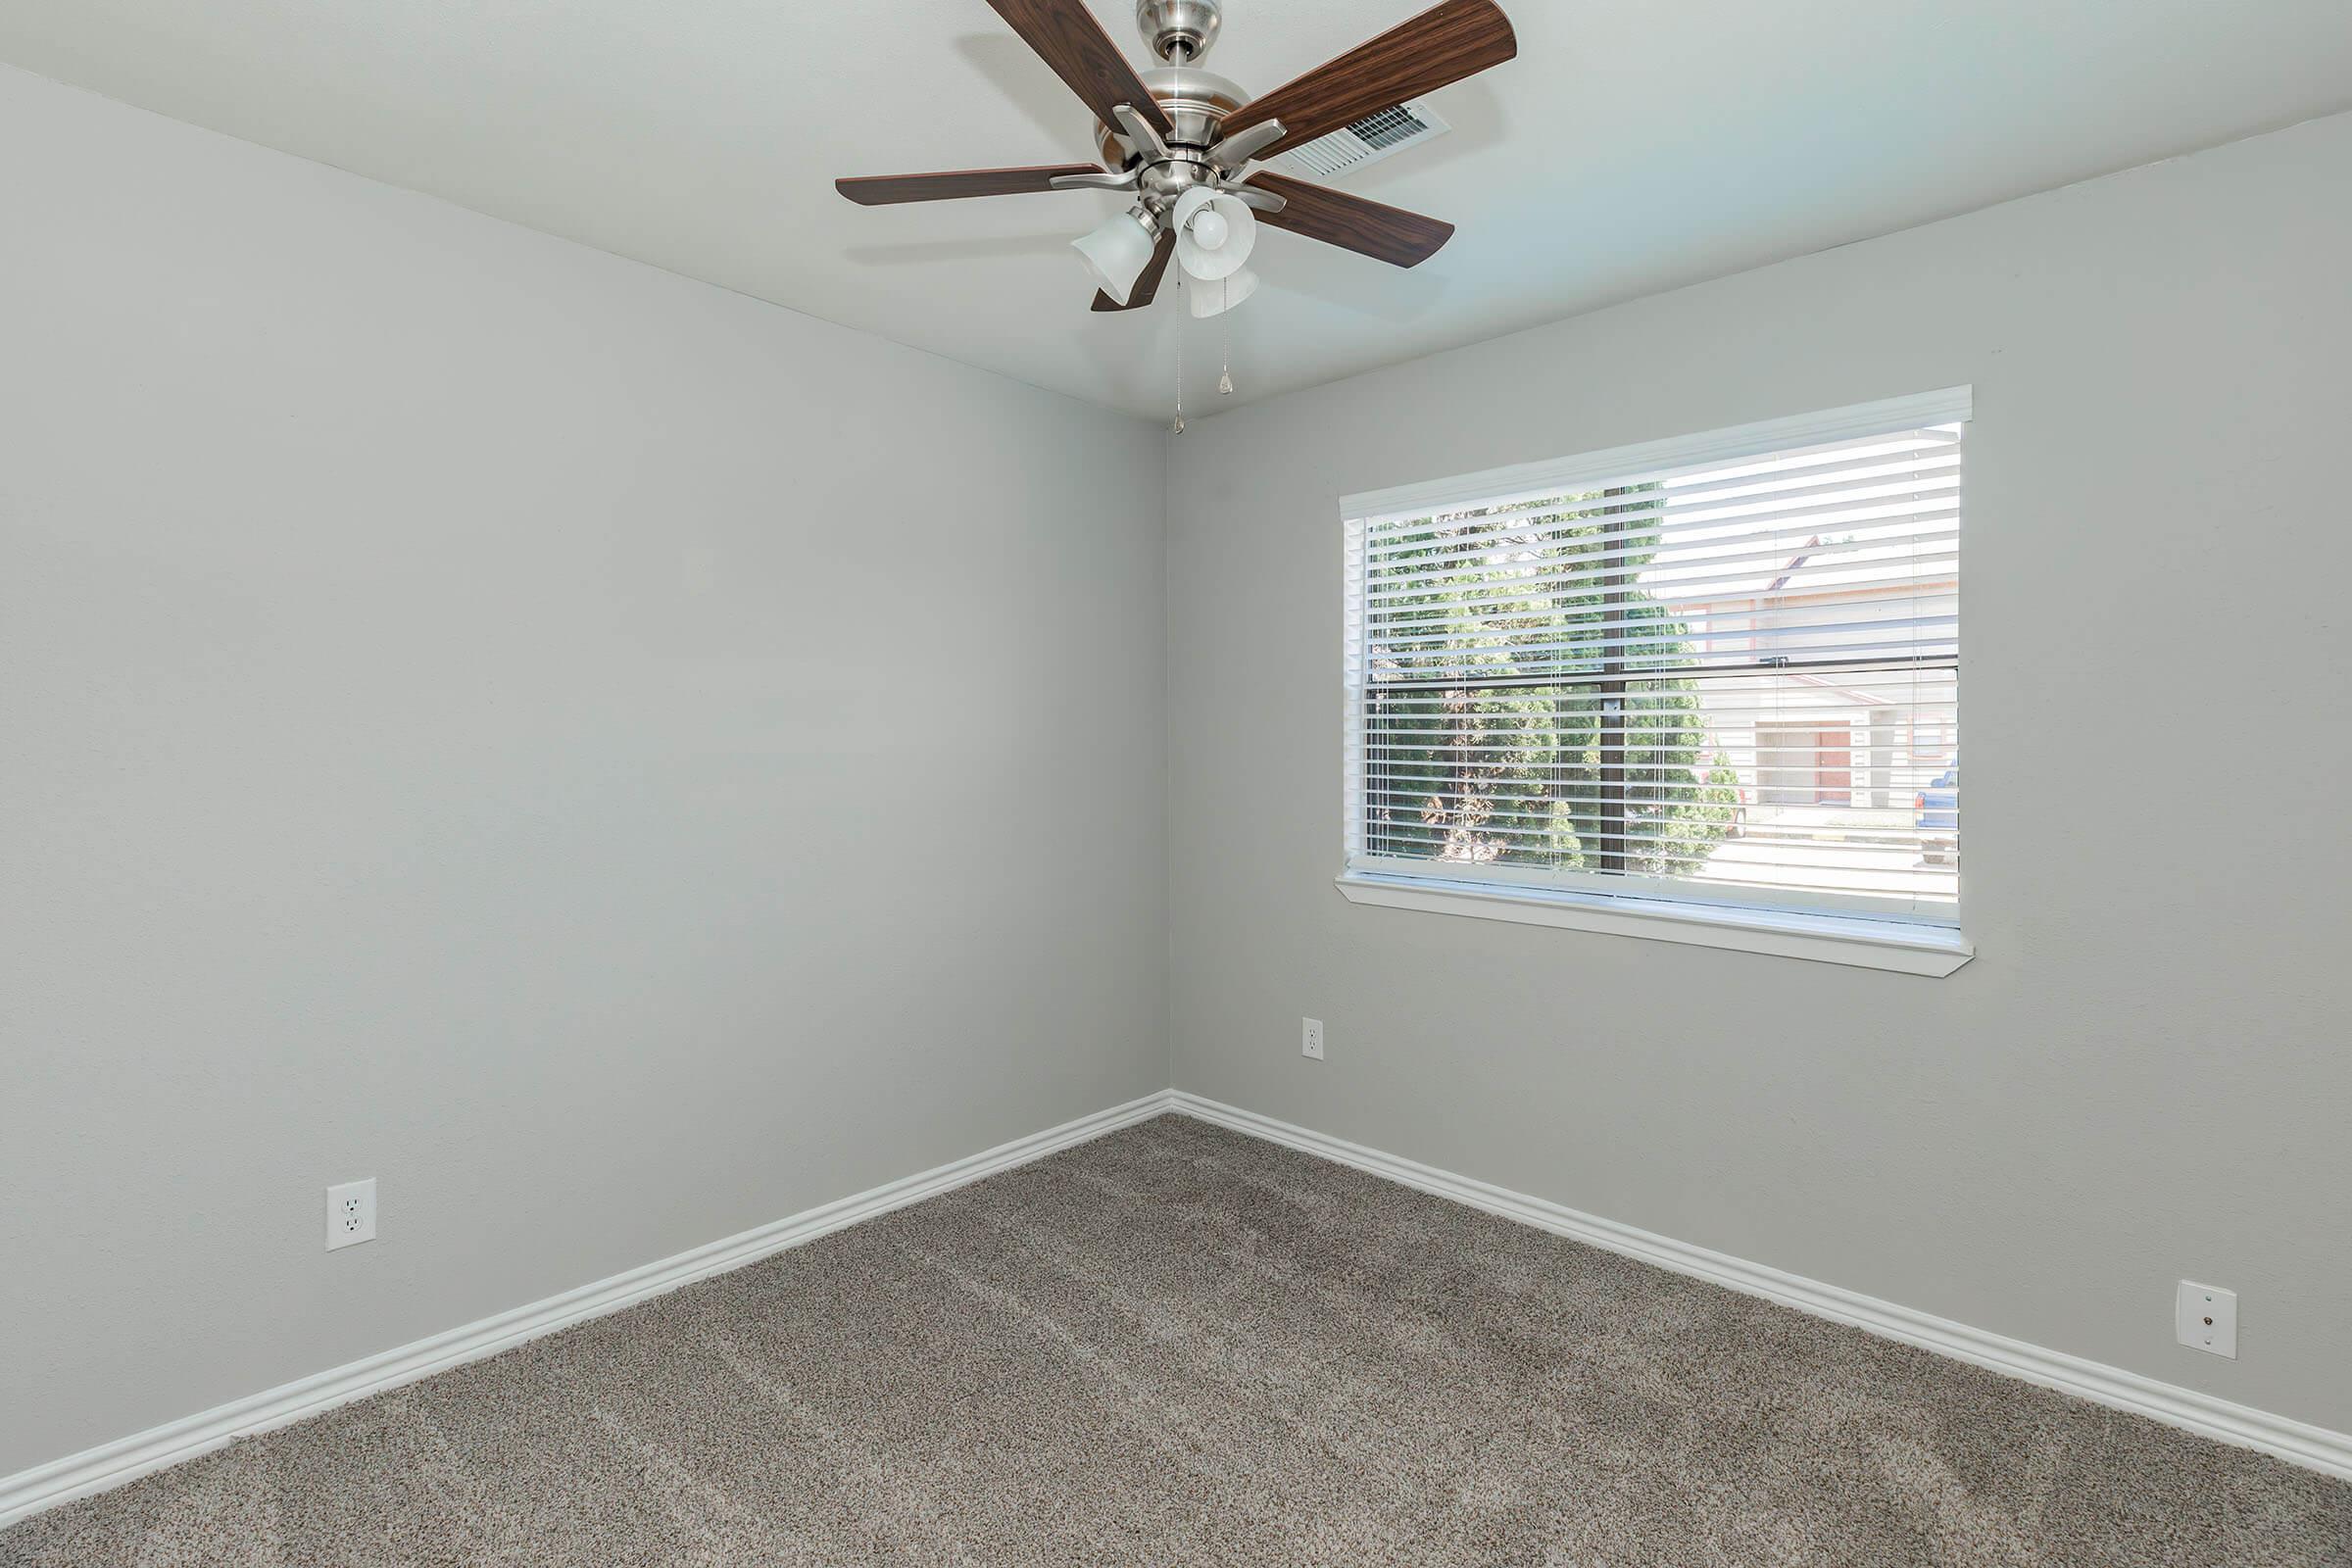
(1222, 295)
(1214, 233)
(1117, 252)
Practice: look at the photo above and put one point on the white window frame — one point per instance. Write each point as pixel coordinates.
(1662, 908)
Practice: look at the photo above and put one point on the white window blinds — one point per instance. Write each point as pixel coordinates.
(1724, 669)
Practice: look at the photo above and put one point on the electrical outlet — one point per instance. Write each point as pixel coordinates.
(351, 1214)
(2207, 1318)
(1311, 1038)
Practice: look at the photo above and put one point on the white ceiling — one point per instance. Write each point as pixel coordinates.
(1634, 146)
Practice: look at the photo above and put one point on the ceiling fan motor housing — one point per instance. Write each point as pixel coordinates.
(1196, 102)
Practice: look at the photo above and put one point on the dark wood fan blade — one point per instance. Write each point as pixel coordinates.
(1386, 233)
(1067, 37)
(1146, 283)
(883, 190)
(1441, 45)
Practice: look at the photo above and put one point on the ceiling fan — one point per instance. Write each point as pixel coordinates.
(1183, 139)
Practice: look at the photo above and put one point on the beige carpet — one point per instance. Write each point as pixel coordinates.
(1179, 1345)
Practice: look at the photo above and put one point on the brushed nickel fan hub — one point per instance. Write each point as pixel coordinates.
(1196, 102)
(1160, 184)
(1176, 29)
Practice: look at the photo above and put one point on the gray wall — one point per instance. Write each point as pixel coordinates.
(2145, 1074)
(616, 762)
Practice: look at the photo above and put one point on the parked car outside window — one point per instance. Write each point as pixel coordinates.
(1935, 812)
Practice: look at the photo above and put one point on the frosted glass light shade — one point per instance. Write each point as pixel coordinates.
(1209, 250)
(1116, 253)
(1215, 299)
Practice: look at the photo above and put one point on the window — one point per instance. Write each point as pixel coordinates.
(1712, 681)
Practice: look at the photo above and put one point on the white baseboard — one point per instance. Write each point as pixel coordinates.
(111, 1464)
(2313, 1447)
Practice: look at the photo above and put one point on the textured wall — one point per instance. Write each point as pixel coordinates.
(2145, 1075)
(616, 762)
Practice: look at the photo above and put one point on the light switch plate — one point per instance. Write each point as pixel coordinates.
(2208, 1318)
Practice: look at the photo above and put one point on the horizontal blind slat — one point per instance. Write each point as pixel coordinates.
(1641, 536)
(1860, 463)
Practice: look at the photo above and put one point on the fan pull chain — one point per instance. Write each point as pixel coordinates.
(1179, 431)
(1225, 331)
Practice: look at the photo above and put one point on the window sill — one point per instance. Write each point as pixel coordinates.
(1933, 950)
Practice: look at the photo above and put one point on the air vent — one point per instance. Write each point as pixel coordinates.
(1363, 141)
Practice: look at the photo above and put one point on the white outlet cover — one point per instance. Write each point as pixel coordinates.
(1311, 1038)
(2207, 1319)
(350, 1214)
